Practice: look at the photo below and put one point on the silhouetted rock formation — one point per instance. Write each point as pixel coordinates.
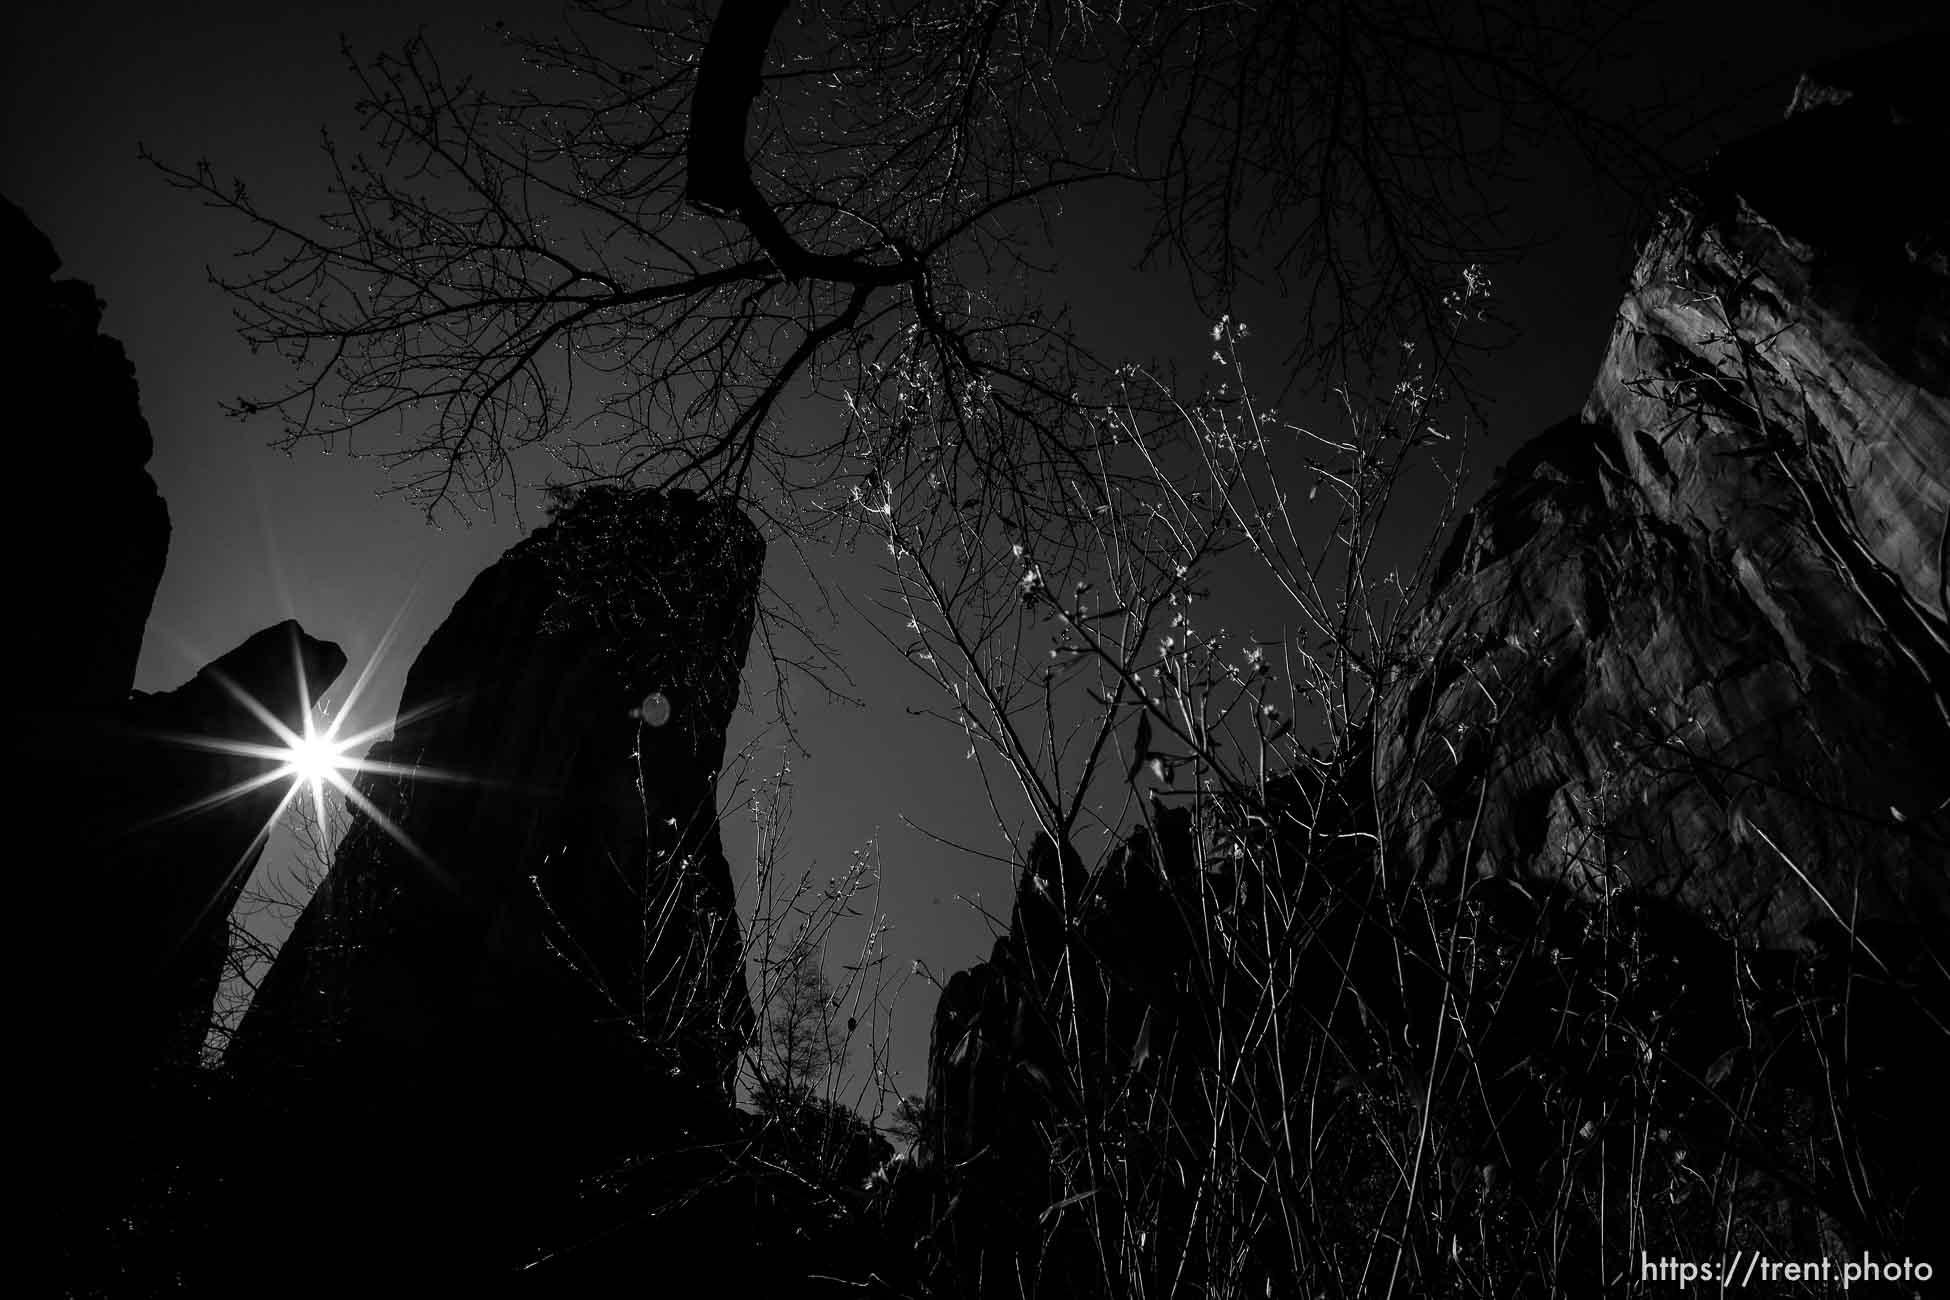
(1081, 999)
(181, 822)
(77, 432)
(158, 823)
(123, 802)
(1677, 709)
(138, 824)
(525, 961)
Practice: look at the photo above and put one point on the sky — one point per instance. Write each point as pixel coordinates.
(260, 535)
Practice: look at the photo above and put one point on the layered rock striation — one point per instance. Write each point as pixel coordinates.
(1695, 642)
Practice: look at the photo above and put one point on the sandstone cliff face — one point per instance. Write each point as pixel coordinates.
(526, 954)
(1661, 822)
(1694, 642)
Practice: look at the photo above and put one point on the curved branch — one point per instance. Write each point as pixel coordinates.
(719, 180)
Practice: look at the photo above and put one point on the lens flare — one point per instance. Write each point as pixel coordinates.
(308, 761)
(314, 758)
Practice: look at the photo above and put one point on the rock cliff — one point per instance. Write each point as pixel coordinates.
(123, 787)
(525, 961)
(1660, 826)
(159, 810)
(181, 819)
(76, 416)
(1694, 642)
(137, 812)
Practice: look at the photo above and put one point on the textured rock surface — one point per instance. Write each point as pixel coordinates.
(528, 953)
(1695, 639)
(1677, 711)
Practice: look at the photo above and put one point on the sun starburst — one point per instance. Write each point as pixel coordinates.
(314, 759)
(310, 761)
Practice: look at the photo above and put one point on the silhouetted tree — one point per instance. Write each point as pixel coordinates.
(808, 1128)
(909, 1122)
(803, 1044)
(691, 211)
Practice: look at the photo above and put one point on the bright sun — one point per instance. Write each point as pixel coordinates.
(315, 758)
(312, 761)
